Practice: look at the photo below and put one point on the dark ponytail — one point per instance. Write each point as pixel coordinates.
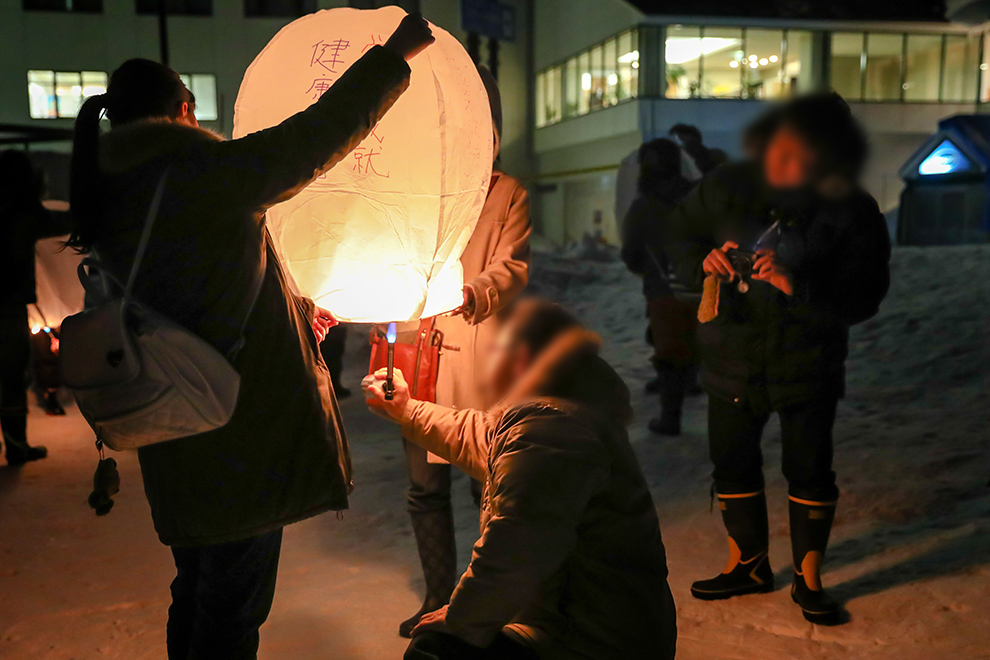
(139, 89)
(85, 183)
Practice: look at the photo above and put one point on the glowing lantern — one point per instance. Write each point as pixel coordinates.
(379, 237)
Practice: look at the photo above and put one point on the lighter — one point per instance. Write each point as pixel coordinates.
(389, 387)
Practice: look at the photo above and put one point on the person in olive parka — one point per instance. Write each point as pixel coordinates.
(779, 341)
(220, 499)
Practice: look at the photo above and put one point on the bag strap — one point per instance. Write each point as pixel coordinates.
(149, 222)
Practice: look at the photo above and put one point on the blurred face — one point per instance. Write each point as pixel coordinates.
(506, 362)
(788, 161)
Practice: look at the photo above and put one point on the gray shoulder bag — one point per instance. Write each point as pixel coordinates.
(140, 378)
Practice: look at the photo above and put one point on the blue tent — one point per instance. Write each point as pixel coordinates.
(945, 200)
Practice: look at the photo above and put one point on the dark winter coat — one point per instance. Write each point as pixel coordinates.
(283, 456)
(764, 343)
(570, 559)
(642, 236)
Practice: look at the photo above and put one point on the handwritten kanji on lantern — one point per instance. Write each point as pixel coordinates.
(319, 86)
(373, 40)
(327, 54)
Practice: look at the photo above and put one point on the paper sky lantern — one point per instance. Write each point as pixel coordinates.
(379, 237)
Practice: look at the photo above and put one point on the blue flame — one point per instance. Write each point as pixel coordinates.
(390, 335)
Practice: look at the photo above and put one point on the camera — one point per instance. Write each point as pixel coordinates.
(742, 261)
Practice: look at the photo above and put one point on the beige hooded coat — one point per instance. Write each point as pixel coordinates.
(496, 269)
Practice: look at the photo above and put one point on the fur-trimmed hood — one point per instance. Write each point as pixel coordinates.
(127, 147)
(571, 369)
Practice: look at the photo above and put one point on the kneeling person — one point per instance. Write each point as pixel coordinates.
(570, 562)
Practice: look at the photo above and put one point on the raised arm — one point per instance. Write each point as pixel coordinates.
(508, 271)
(274, 164)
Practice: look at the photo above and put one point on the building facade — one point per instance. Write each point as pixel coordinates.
(615, 77)
(55, 53)
(584, 82)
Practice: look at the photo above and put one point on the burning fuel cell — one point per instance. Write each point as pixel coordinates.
(389, 387)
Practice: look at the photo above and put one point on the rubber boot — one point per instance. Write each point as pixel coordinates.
(811, 523)
(748, 570)
(18, 451)
(434, 531)
(672, 382)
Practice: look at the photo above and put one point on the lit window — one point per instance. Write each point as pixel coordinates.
(572, 86)
(541, 100)
(718, 48)
(204, 87)
(921, 74)
(553, 100)
(960, 75)
(765, 80)
(799, 53)
(610, 73)
(847, 61)
(54, 94)
(883, 67)
(628, 64)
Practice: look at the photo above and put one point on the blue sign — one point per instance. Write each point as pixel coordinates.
(489, 18)
(946, 158)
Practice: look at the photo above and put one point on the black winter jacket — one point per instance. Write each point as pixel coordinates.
(763, 342)
(283, 456)
(643, 230)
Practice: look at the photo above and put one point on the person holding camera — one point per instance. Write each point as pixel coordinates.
(794, 253)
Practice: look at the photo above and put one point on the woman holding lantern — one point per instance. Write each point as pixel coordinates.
(496, 270)
(220, 499)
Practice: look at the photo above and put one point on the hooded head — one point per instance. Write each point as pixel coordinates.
(495, 100)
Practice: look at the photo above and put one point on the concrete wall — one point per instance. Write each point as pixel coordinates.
(567, 26)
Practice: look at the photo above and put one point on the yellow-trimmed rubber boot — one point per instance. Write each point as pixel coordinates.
(811, 523)
(748, 569)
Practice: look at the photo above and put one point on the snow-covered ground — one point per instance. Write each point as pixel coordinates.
(910, 554)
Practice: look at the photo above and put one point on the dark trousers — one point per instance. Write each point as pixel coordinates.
(221, 595)
(440, 646)
(15, 353)
(734, 433)
(429, 483)
(332, 349)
